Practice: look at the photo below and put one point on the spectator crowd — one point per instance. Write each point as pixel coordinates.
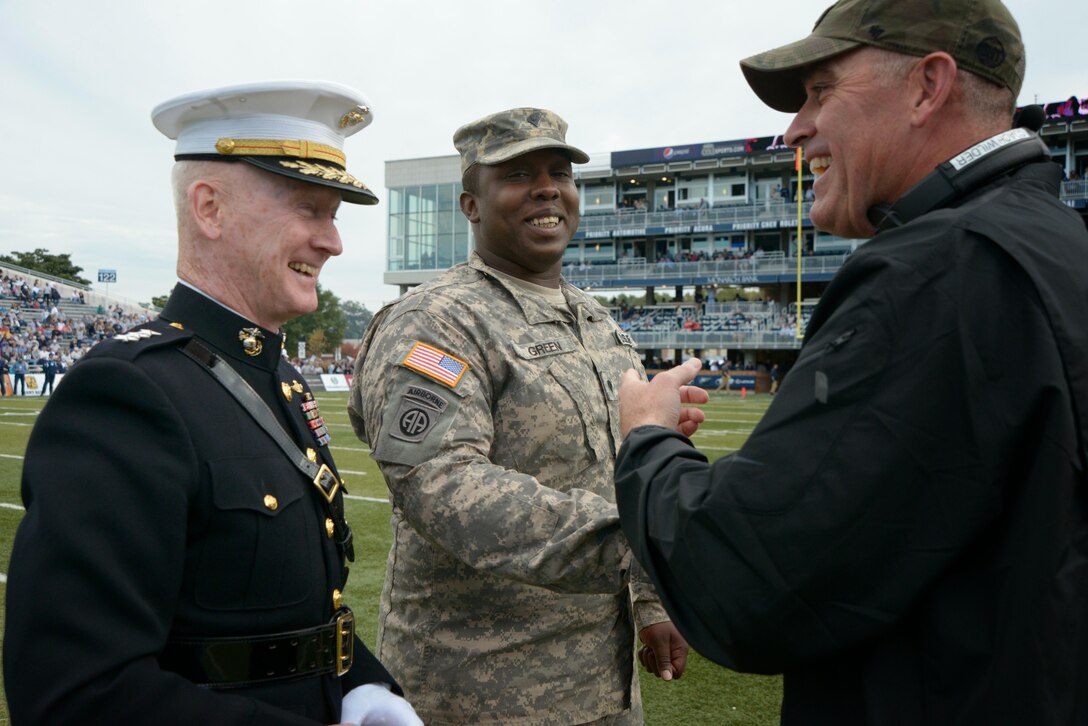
(37, 335)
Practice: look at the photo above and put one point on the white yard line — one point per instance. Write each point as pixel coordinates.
(351, 448)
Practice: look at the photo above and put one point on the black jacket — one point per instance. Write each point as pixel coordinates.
(145, 486)
(905, 533)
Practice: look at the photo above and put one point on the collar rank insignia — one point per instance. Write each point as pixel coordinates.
(296, 386)
(286, 388)
(252, 340)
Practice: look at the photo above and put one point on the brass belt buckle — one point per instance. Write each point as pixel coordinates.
(326, 483)
(345, 641)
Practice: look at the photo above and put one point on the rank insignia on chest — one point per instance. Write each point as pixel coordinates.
(435, 363)
(625, 339)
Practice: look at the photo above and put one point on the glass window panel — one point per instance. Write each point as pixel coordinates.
(445, 251)
(460, 246)
(447, 222)
(429, 193)
(600, 197)
(447, 197)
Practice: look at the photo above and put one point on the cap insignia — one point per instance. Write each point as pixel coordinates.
(355, 116)
(179, 326)
(252, 340)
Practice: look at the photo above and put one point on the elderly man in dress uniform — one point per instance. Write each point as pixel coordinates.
(184, 549)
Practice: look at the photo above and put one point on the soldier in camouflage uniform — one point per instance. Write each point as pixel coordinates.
(488, 396)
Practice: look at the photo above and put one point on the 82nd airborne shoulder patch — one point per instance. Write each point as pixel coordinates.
(418, 413)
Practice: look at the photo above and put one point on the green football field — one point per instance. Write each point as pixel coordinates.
(707, 693)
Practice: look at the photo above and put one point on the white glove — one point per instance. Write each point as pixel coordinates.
(373, 704)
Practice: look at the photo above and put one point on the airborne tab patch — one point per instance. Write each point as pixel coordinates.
(435, 363)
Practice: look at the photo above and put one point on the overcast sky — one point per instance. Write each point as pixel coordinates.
(85, 172)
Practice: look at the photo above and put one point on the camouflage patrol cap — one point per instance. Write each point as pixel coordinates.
(504, 135)
(980, 35)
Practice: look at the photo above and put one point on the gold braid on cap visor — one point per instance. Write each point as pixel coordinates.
(302, 150)
(277, 147)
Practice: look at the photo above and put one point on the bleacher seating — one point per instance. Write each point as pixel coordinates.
(35, 321)
(714, 317)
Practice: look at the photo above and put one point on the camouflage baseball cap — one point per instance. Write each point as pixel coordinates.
(502, 136)
(980, 35)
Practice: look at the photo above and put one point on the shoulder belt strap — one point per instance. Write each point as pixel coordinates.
(320, 474)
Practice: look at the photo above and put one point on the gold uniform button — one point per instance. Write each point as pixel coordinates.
(311, 455)
(271, 502)
(330, 527)
(336, 598)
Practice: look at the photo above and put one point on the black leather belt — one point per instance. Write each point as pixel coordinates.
(242, 661)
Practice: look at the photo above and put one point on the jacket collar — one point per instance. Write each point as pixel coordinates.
(535, 309)
(226, 331)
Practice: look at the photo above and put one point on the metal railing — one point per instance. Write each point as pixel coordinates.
(767, 340)
(35, 275)
(1077, 189)
(766, 211)
(722, 272)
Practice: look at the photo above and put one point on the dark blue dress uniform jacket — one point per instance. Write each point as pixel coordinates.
(145, 486)
(905, 533)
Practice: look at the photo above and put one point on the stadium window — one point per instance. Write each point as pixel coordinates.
(690, 191)
(600, 197)
(730, 189)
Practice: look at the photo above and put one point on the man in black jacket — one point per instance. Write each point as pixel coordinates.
(905, 533)
(184, 550)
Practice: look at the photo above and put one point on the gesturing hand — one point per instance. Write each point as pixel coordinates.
(660, 401)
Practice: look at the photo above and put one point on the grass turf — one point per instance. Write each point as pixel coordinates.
(707, 693)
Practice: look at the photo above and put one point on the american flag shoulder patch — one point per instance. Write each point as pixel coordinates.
(435, 363)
